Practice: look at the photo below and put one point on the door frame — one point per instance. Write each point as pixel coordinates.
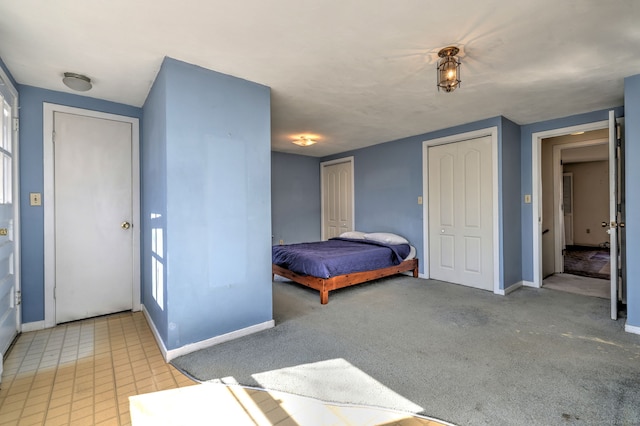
(461, 137)
(322, 191)
(16, 196)
(536, 187)
(49, 202)
(563, 227)
(558, 220)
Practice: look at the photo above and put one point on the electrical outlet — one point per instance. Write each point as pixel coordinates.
(527, 198)
(281, 242)
(420, 200)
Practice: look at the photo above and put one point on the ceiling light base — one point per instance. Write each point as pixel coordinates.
(303, 141)
(78, 82)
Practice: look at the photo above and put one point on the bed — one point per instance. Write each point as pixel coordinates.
(353, 258)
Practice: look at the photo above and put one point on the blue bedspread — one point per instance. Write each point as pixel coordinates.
(338, 256)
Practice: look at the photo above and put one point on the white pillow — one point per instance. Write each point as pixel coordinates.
(355, 235)
(386, 237)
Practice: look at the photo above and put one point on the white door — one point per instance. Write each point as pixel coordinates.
(93, 216)
(461, 213)
(9, 284)
(337, 198)
(614, 154)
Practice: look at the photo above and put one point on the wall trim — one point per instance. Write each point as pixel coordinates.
(529, 284)
(32, 326)
(510, 289)
(632, 329)
(156, 333)
(170, 354)
(536, 187)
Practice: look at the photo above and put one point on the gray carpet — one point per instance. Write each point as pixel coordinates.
(534, 357)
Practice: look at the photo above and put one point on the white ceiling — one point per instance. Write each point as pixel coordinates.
(353, 72)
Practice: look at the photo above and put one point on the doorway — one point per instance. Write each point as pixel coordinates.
(91, 207)
(549, 236)
(575, 196)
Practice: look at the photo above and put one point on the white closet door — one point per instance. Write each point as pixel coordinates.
(337, 203)
(93, 215)
(461, 213)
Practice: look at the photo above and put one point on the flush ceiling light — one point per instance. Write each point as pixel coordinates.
(448, 69)
(304, 141)
(78, 82)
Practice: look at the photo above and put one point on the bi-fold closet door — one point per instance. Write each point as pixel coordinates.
(461, 213)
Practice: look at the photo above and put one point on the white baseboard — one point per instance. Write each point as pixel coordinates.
(423, 276)
(632, 329)
(510, 289)
(170, 354)
(155, 332)
(32, 326)
(529, 284)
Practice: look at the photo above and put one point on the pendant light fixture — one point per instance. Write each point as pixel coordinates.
(448, 76)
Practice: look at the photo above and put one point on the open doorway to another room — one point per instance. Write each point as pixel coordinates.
(575, 191)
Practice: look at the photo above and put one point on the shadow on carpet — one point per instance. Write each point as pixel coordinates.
(446, 351)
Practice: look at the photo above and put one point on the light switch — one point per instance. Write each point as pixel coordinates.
(527, 198)
(35, 198)
(420, 200)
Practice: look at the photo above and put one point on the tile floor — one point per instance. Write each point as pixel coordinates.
(83, 373)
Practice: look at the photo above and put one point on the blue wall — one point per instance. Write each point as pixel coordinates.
(632, 177)
(218, 202)
(295, 198)
(511, 201)
(31, 180)
(388, 181)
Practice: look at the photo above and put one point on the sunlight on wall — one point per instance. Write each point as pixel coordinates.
(157, 265)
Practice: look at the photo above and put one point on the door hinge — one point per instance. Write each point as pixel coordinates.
(18, 295)
(53, 136)
(16, 124)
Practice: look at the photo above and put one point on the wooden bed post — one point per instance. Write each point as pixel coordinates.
(324, 297)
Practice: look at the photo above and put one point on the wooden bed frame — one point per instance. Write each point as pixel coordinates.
(325, 285)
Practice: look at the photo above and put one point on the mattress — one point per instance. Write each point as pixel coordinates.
(338, 256)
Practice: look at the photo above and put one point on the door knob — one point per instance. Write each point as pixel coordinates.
(604, 224)
(125, 225)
